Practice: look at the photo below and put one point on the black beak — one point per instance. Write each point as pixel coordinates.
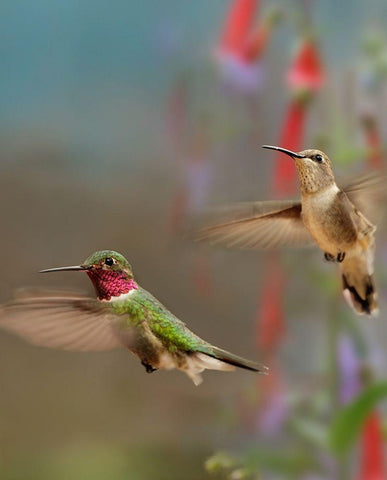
(73, 268)
(284, 150)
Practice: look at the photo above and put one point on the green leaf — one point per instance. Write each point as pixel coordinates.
(347, 424)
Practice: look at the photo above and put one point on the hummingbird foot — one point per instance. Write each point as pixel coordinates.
(148, 368)
(329, 258)
(340, 257)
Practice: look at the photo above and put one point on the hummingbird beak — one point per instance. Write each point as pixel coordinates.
(284, 150)
(73, 268)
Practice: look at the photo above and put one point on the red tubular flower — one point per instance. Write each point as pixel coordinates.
(177, 211)
(371, 449)
(176, 115)
(256, 44)
(306, 72)
(374, 141)
(176, 125)
(305, 76)
(285, 174)
(237, 26)
(270, 321)
(202, 276)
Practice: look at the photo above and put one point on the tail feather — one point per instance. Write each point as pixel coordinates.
(234, 360)
(361, 305)
(358, 284)
(197, 362)
(213, 358)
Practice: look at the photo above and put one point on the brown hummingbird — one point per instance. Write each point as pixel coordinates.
(337, 219)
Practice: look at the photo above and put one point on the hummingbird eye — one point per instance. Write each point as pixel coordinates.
(318, 158)
(109, 261)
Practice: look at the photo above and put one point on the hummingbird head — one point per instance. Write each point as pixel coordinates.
(313, 167)
(110, 272)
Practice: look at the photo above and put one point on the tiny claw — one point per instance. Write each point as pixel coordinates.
(340, 257)
(148, 368)
(329, 258)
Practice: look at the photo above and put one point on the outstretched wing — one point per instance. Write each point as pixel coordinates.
(257, 225)
(368, 193)
(60, 320)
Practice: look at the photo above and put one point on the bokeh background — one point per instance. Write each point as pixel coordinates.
(120, 122)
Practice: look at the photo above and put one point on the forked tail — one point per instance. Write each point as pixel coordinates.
(358, 283)
(213, 358)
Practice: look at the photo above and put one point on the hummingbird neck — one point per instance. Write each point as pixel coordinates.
(312, 181)
(110, 284)
(310, 188)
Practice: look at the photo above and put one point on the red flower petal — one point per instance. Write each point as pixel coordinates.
(271, 321)
(374, 142)
(306, 72)
(256, 44)
(371, 450)
(237, 26)
(292, 138)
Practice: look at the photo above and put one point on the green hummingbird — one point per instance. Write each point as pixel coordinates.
(122, 315)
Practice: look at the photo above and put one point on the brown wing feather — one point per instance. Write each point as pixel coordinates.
(60, 320)
(368, 193)
(260, 225)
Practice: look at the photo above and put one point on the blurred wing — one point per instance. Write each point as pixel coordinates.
(260, 225)
(60, 320)
(368, 193)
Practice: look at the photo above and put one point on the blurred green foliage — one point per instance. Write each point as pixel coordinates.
(349, 420)
(107, 461)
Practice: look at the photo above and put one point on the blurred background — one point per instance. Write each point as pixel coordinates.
(120, 122)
